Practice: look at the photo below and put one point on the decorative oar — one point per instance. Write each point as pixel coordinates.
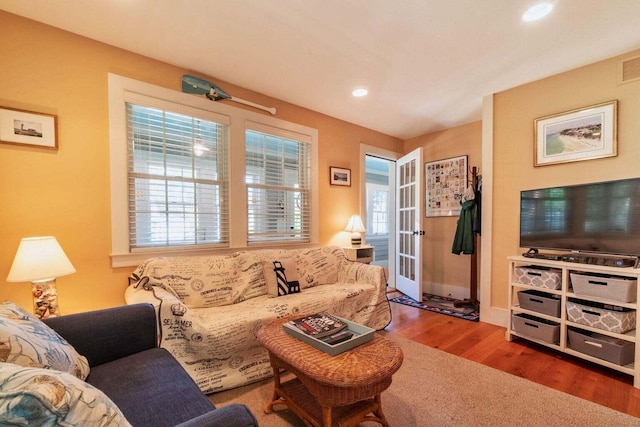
(191, 84)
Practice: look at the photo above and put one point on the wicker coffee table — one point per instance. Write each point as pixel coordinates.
(329, 390)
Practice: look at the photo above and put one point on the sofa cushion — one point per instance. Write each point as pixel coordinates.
(26, 341)
(319, 266)
(205, 281)
(37, 396)
(281, 276)
(151, 379)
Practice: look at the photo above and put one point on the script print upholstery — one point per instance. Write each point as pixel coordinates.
(218, 345)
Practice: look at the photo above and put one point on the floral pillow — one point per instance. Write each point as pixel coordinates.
(27, 341)
(36, 396)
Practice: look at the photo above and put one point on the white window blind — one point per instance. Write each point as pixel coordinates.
(278, 178)
(177, 179)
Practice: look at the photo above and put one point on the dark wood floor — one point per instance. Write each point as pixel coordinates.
(485, 343)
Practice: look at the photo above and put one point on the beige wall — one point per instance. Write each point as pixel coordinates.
(513, 170)
(65, 193)
(442, 271)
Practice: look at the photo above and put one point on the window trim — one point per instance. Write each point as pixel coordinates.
(121, 90)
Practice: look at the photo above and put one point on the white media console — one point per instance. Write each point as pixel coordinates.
(544, 325)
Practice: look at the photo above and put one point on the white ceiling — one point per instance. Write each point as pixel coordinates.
(427, 64)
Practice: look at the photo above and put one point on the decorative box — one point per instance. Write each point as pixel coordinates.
(536, 328)
(604, 347)
(616, 288)
(539, 301)
(542, 277)
(602, 316)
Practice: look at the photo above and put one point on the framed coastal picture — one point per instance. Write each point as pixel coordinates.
(581, 134)
(340, 176)
(445, 182)
(28, 128)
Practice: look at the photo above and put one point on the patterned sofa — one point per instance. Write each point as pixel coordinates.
(211, 307)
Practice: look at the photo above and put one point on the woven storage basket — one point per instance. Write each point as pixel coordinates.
(602, 316)
(608, 287)
(541, 277)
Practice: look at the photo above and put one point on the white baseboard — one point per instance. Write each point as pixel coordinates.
(494, 315)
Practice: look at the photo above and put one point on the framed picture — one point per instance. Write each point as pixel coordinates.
(582, 134)
(445, 182)
(340, 176)
(28, 128)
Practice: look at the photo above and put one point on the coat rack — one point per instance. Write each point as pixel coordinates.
(473, 279)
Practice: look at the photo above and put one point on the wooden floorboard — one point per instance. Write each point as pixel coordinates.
(485, 343)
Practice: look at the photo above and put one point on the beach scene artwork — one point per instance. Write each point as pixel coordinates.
(574, 136)
(583, 134)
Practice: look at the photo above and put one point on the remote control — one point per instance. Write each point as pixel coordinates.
(337, 338)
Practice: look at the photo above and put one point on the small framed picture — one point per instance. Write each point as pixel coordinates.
(583, 134)
(28, 128)
(340, 176)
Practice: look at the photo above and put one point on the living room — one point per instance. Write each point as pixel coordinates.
(65, 192)
(67, 76)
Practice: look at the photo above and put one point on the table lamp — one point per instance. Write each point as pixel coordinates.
(40, 260)
(355, 227)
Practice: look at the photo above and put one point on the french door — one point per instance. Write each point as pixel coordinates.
(409, 225)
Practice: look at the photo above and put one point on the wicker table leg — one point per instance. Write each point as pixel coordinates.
(378, 412)
(268, 407)
(326, 416)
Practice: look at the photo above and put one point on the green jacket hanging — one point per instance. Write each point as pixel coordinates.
(463, 239)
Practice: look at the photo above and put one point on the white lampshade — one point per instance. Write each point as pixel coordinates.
(355, 227)
(39, 258)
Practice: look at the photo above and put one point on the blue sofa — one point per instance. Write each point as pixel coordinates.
(144, 381)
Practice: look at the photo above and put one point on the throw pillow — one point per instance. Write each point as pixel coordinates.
(27, 341)
(36, 396)
(319, 266)
(281, 276)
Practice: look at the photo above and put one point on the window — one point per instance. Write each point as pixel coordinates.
(380, 212)
(278, 188)
(192, 175)
(177, 175)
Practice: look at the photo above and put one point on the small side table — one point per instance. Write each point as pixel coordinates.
(362, 253)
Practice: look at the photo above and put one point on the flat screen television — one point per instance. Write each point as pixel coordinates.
(601, 218)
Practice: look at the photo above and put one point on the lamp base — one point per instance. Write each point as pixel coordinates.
(45, 298)
(356, 239)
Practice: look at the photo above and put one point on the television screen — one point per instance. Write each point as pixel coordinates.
(601, 217)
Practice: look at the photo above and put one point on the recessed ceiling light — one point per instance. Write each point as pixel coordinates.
(538, 11)
(360, 92)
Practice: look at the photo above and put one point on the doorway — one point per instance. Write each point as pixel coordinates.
(379, 208)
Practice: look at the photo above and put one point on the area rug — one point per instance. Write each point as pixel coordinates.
(434, 388)
(440, 305)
